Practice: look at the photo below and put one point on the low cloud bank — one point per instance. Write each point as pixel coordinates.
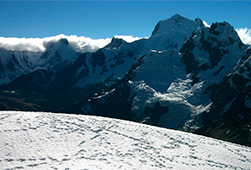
(82, 43)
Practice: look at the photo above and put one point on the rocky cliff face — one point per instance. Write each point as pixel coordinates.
(174, 88)
(230, 116)
(13, 64)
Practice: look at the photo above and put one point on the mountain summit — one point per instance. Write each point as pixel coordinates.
(177, 24)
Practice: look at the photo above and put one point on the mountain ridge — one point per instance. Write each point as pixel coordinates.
(179, 78)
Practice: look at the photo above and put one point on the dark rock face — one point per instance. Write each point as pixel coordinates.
(215, 51)
(69, 75)
(55, 44)
(64, 41)
(115, 43)
(216, 41)
(35, 80)
(244, 66)
(13, 63)
(192, 66)
(230, 116)
(116, 105)
(235, 124)
(97, 58)
(116, 101)
(2, 70)
(57, 54)
(152, 115)
(60, 76)
(121, 56)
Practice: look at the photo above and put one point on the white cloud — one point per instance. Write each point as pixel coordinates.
(206, 24)
(245, 35)
(84, 44)
(81, 43)
(31, 44)
(37, 44)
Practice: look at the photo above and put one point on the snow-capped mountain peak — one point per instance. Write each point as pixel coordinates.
(224, 32)
(115, 43)
(57, 51)
(215, 49)
(175, 24)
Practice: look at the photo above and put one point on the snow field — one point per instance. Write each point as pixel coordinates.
(36, 140)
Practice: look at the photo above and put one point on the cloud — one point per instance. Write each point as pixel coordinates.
(37, 44)
(81, 43)
(30, 44)
(245, 35)
(85, 44)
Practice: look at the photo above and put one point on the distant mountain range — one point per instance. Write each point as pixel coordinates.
(186, 76)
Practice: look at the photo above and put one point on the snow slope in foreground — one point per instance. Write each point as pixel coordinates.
(35, 140)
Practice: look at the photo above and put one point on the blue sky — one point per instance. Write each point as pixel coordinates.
(99, 19)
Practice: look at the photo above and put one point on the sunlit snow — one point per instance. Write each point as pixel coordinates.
(35, 140)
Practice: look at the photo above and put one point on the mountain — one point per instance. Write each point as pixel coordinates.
(116, 58)
(232, 99)
(186, 76)
(17, 63)
(36, 140)
(171, 88)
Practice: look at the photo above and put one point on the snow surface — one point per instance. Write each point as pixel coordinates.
(177, 24)
(36, 140)
(162, 78)
(160, 69)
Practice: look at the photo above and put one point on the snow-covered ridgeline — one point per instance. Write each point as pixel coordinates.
(36, 140)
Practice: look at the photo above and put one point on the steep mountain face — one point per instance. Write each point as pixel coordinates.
(114, 60)
(13, 64)
(172, 88)
(118, 57)
(232, 105)
(185, 76)
(173, 32)
(145, 68)
(16, 63)
(212, 52)
(57, 53)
